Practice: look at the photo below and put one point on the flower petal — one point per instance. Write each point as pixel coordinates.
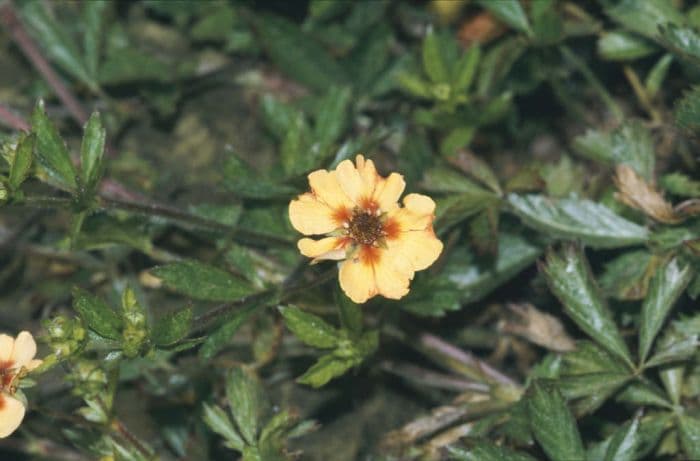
(33, 364)
(417, 214)
(357, 279)
(11, 414)
(388, 192)
(24, 350)
(326, 187)
(325, 248)
(420, 247)
(368, 173)
(309, 216)
(7, 343)
(351, 181)
(392, 273)
(419, 204)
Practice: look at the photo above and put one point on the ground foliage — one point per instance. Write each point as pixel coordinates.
(148, 244)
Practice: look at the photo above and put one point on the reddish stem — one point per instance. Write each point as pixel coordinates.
(9, 118)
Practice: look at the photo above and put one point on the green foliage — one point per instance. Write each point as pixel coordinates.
(202, 281)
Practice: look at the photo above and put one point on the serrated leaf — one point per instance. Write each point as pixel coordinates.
(689, 431)
(474, 280)
(625, 442)
(683, 41)
(245, 396)
(97, 315)
(92, 152)
(665, 288)
(630, 144)
(326, 368)
(484, 450)
(22, 160)
(643, 394)
(172, 327)
(570, 280)
(598, 384)
(626, 276)
(219, 422)
(52, 152)
(553, 424)
(297, 54)
(623, 46)
(510, 12)
(592, 223)
(202, 281)
(433, 61)
(310, 329)
(588, 357)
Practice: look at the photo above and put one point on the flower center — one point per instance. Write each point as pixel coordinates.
(365, 227)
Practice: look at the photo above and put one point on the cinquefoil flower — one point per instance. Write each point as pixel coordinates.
(16, 359)
(380, 243)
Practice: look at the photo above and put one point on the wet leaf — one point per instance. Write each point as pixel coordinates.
(310, 329)
(172, 327)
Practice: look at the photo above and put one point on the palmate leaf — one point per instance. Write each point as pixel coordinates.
(572, 218)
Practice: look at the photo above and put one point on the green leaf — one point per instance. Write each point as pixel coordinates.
(689, 430)
(630, 144)
(310, 329)
(277, 115)
(665, 288)
(683, 41)
(595, 384)
(297, 54)
(92, 152)
(350, 313)
(172, 327)
(625, 442)
(680, 184)
(570, 280)
(687, 111)
(326, 368)
(433, 61)
(97, 315)
(657, 75)
(571, 218)
(510, 12)
(52, 152)
(245, 396)
(129, 64)
(643, 394)
(222, 335)
(465, 69)
(475, 280)
(484, 450)
(219, 422)
(22, 160)
(296, 156)
(588, 357)
(432, 297)
(643, 17)
(331, 115)
(622, 46)
(56, 41)
(553, 424)
(243, 181)
(94, 20)
(442, 179)
(201, 281)
(625, 277)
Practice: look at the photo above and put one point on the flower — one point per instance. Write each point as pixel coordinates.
(16, 359)
(380, 244)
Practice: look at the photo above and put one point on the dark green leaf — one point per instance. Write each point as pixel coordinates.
(297, 54)
(588, 357)
(432, 297)
(201, 281)
(52, 152)
(219, 422)
(687, 111)
(665, 288)
(443, 179)
(625, 442)
(626, 276)
(684, 41)
(173, 327)
(643, 394)
(475, 280)
(223, 334)
(484, 450)
(350, 313)
(510, 12)
(465, 69)
(92, 151)
(570, 280)
(277, 115)
(240, 179)
(689, 430)
(22, 160)
(94, 17)
(657, 75)
(622, 46)
(598, 384)
(592, 223)
(553, 424)
(326, 368)
(331, 116)
(310, 329)
(97, 315)
(245, 396)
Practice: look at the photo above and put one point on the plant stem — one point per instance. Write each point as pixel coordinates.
(12, 120)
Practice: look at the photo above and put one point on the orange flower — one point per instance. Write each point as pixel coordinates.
(16, 358)
(380, 243)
